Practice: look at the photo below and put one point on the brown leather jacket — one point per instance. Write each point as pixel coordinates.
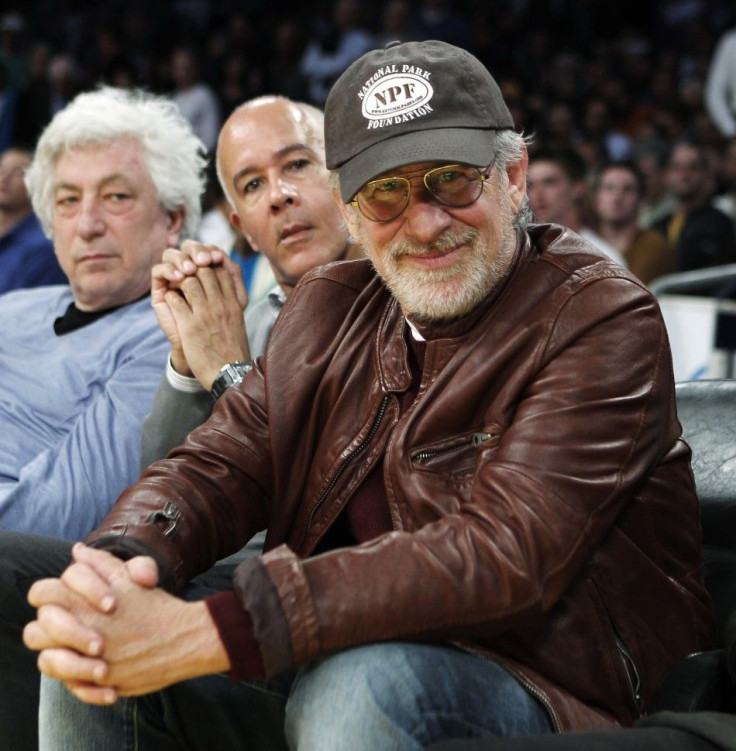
(542, 500)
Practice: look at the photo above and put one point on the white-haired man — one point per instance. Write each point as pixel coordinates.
(115, 180)
(481, 516)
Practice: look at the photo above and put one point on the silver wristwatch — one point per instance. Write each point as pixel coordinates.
(230, 375)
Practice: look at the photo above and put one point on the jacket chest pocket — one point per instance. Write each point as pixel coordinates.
(456, 456)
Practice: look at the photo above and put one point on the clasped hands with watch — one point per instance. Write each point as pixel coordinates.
(199, 298)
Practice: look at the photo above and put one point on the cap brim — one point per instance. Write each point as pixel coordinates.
(448, 145)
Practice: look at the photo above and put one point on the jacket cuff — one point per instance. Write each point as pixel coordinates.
(259, 597)
(236, 633)
(126, 548)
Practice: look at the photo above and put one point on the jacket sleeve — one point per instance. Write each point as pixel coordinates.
(66, 490)
(214, 470)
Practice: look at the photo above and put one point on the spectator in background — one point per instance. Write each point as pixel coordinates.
(720, 85)
(558, 190)
(26, 255)
(617, 196)
(195, 98)
(701, 234)
(116, 179)
(336, 45)
(657, 202)
(395, 23)
(438, 19)
(597, 127)
(283, 68)
(726, 201)
(8, 110)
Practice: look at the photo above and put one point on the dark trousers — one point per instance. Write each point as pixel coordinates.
(23, 560)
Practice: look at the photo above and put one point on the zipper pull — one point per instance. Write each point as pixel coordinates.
(479, 438)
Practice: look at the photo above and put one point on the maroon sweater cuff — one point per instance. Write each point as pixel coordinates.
(236, 633)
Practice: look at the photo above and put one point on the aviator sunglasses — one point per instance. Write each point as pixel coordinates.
(457, 185)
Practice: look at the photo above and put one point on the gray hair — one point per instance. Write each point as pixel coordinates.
(175, 157)
(510, 147)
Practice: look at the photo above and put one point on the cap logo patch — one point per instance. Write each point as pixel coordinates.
(396, 94)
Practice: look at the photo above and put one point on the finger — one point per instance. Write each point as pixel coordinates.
(237, 273)
(199, 254)
(162, 273)
(57, 627)
(95, 589)
(227, 283)
(45, 591)
(108, 566)
(91, 694)
(178, 304)
(179, 260)
(143, 570)
(66, 665)
(204, 287)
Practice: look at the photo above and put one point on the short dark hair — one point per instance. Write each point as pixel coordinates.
(568, 159)
(625, 164)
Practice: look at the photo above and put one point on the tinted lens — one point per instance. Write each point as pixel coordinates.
(455, 185)
(383, 200)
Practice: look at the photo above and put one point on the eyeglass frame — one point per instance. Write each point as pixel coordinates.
(483, 175)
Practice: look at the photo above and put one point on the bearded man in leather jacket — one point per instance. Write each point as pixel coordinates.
(480, 511)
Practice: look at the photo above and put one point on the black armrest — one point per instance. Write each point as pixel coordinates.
(697, 683)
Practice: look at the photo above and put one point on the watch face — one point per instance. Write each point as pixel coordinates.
(230, 375)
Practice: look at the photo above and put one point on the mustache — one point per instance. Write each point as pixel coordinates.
(448, 240)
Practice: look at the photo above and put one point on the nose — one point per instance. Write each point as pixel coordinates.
(426, 219)
(90, 220)
(282, 193)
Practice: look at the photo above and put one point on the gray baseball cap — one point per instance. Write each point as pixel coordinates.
(411, 102)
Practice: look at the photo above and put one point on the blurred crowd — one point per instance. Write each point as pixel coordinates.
(611, 81)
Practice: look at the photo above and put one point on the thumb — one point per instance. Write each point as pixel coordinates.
(143, 571)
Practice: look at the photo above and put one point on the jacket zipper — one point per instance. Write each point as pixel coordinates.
(477, 439)
(532, 688)
(632, 674)
(341, 469)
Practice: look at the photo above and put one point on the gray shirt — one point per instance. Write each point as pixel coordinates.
(182, 404)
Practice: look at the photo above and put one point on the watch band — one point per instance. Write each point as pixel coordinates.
(230, 374)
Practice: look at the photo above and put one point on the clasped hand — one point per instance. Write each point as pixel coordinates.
(106, 630)
(198, 296)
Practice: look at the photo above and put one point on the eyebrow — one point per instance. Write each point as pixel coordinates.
(64, 185)
(280, 154)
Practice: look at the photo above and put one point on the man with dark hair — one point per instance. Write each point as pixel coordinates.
(701, 234)
(480, 511)
(617, 197)
(558, 193)
(26, 255)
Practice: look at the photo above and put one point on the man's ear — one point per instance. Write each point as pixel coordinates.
(235, 221)
(174, 223)
(517, 180)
